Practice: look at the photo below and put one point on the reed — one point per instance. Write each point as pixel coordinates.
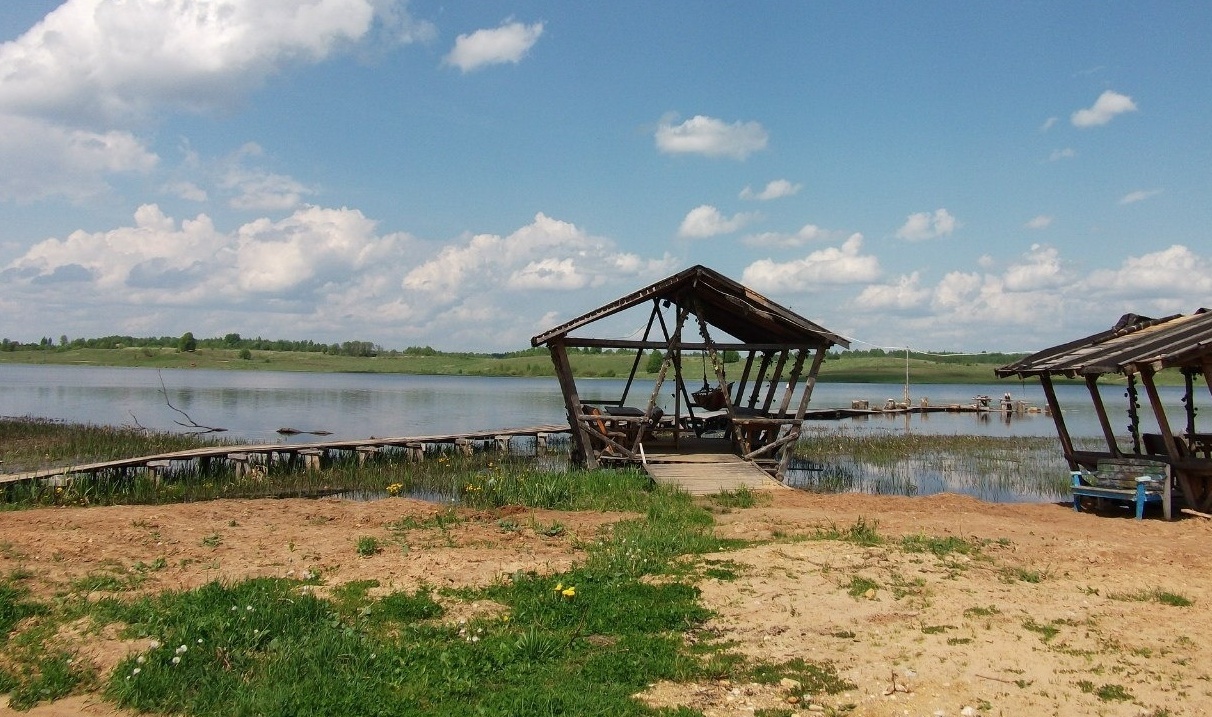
(995, 468)
(28, 444)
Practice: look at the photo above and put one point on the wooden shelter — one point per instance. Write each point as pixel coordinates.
(1138, 347)
(696, 316)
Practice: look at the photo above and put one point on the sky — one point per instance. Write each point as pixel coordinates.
(959, 176)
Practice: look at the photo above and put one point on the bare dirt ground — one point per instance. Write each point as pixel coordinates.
(1057, 614)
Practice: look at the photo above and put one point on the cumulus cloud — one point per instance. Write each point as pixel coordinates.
(806, 234)
(320, 269)
(707, 221)
(907, 293)
(776, 189)
(1108, 105)
(925, 225)
(832, 266)
(1059, 154)
(1154, 278)
(545, 254)
(79, 85)
(1041, 221)
(1040, 268)
(711, 137)
(508, 43)
(42, 159)
(1139, 196)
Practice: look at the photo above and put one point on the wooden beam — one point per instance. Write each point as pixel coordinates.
(1101, 410)
(767, 357)
(1045, 380)
(774, 380)
(1163, 423)
(574, 342)
(572, 401)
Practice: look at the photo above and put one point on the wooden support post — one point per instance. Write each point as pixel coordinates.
(1163, 423)
(767, 357)
(155, 469)
(365, 452)
(416, 451)
(582, 448)
(313, 458)
(503, 444)
(464, 446)
(1101, 410)
(540, 443)
(240, 462)
(774, 381)
(1045, 380)
(787, 450)
(740, 385)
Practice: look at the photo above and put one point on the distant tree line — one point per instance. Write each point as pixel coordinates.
(187, 342)
(991, 357)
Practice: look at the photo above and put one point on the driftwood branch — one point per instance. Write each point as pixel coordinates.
(191, 423)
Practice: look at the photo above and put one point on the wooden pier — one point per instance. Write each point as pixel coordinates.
(709, 473)
(312, 455)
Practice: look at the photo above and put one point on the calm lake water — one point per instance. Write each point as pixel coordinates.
(253, 405)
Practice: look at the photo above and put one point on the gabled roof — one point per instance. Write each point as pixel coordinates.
(726, 305)
(1134, 343)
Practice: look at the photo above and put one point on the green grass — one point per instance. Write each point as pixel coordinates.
(580, 641)
(1156, 595)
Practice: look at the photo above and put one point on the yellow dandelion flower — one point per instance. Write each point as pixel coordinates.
(569, 592)
(559, 587)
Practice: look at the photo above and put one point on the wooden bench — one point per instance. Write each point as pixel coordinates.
(1133, 480)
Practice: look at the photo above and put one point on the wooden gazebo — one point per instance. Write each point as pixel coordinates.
(756, 416)
(1138, 347)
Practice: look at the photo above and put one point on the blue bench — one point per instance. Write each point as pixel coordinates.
(1132, 480)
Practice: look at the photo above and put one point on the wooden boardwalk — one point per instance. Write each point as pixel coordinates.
(314, 453)
(708, 473)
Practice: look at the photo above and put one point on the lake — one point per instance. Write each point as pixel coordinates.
(253, 405)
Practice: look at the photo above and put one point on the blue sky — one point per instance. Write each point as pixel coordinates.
(940, 175)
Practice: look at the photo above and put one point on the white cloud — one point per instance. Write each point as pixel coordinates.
(547, 253)
(508, 43)
(76, 87)
(925, 225)
(1152, 278)
(1105, 108)
(905, 294)
(835, 265)
(1040, 269)
(776, 189)
(43, 159)
(1139, 196)
(325, 270)
(1059, 154)
(1049, 124)
(711, 137)
(1041, 221)
(806, 234)
(111, 61)
(706, 221)
(186, 190)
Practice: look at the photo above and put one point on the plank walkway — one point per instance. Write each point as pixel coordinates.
(708, 473)
(238, 452)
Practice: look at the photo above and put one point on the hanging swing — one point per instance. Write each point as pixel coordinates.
(708, 397)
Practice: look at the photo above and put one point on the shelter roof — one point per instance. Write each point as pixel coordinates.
(725, 304)
(1133, 344)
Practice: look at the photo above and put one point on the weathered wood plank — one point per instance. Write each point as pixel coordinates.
(711, 473)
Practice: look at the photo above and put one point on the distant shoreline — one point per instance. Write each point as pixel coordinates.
(888, 369)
